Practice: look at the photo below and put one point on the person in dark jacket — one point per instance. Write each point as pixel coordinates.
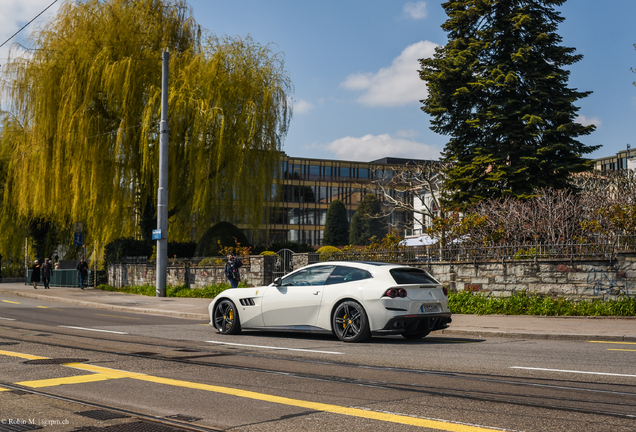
(231, 270)
(35, 274)
(46, 270)
(82, 272)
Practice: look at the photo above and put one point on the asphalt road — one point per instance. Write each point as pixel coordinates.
(171, 369)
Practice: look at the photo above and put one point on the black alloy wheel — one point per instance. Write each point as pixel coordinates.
(350, 323)
(226, 318)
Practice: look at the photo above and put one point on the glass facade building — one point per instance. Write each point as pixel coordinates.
(297, 209)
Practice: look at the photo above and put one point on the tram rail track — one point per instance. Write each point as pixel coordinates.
(610, 398)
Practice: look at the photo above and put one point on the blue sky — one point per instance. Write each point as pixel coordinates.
(354, 66)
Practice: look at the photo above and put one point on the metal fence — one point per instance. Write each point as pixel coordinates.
(69, 278)
(601, 248)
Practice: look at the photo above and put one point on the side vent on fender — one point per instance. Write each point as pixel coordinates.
(247, 302)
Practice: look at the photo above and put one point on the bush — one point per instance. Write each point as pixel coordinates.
(525, 303)
(329, 253)
(117, 250)
(220, 235)
(295, 247)
(13, 270)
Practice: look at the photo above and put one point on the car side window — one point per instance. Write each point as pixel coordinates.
(308, 277)
(344, 274)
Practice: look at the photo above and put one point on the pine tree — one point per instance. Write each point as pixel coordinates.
(337, 225)
(80, 138)
(498, 88)
(367, 222)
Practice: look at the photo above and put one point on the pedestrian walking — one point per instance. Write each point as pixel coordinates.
(35, 274)
(232, 270)
(46, 271)
(82, 272)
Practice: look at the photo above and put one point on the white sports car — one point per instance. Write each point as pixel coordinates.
(354, 300)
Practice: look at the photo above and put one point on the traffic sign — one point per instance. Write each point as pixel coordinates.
(78, 239)
(156, 234)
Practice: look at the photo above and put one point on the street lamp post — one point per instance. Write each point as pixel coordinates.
(162, 193)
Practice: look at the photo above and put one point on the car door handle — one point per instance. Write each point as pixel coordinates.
(317, 292)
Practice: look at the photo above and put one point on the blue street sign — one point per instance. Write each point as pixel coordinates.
(156, 234)
(77, 239)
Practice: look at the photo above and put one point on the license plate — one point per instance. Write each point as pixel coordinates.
(430, 308)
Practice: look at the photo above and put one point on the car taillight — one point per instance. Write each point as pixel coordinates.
(445, 291)
(395, 292)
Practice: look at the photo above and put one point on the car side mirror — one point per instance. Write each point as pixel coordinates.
(278, 281)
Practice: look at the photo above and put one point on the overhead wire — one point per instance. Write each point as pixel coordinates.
(23, 27)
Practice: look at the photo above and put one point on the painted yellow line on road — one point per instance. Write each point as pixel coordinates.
(612, 342)
(102, 373)
(43, 307)
(616, 349)
(117, 316)
(7, 301)
(21, 355)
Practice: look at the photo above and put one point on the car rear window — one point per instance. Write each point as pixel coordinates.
(410, 276)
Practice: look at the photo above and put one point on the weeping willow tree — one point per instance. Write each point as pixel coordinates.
(80, 137)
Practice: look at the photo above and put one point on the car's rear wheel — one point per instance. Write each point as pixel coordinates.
(226, 318)
(350, 322)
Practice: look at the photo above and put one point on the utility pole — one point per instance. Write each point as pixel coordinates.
(161, 234)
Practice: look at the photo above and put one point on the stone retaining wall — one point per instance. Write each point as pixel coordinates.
(572, 278)
(257, 270)
(580, 279)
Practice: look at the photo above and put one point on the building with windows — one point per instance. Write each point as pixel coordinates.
(301, 196)
(622, 160)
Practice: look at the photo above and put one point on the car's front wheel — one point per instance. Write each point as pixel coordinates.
(226, 318)
(350, 322)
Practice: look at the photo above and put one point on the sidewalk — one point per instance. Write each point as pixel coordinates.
(527, 327)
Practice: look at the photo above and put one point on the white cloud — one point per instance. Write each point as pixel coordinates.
(371, 147)
(16, 14)
(586, 121)
(415, 10)
(398, 84)
(302, 107)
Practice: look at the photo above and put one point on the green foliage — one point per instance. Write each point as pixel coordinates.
(210, 291)
(498, 88)
(218, 237)
(79, 136)
(337, 225)
(329, 253)
(117, 250)
(367, 222)
(524, 303)
(293, 246)
(13, 270)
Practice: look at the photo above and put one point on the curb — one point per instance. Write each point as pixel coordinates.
(544, 336)
(102, 306)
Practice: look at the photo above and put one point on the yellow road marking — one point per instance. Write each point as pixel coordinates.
(7, 301)
(43, 307)
(611, 342)
(102, 373)
(616, 349)
(26, 356)
(117, 316)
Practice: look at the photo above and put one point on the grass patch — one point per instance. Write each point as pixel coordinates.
(210, 291)
(524, 303)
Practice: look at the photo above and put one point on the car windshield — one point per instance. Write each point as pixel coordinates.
(411, 276)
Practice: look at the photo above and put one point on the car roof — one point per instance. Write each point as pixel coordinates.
(360, 264)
